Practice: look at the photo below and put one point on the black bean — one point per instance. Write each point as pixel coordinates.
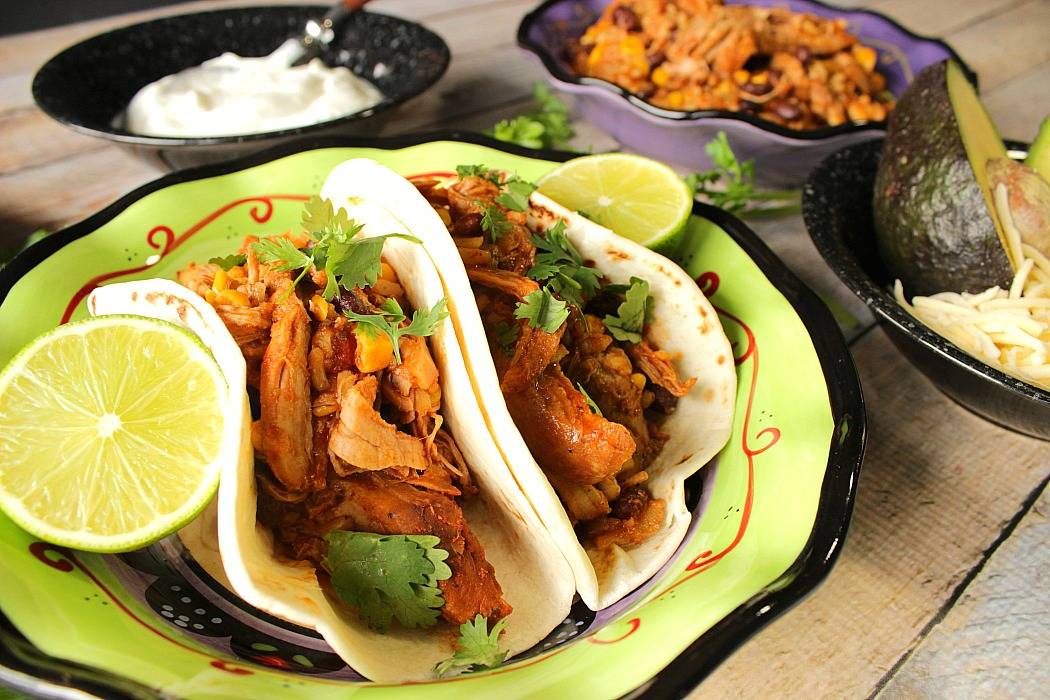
(656, 58)
(467, 225)
(624, 18)
(753, 89)
(785, 110)
(803, 54)
(663, 401)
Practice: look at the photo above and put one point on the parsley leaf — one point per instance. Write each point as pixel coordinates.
(388, 576)
(516, 194)
(507, 337)
(493, 221)
(229, 262)
(730, 184)
(590, 402)
(547, 125)
(478, 647)
(630, 317)
(542, 310)
(561, 266)
(423, 322)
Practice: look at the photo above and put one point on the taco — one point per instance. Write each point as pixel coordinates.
(603, 371)
(367, 503)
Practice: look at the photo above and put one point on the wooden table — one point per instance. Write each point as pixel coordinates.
(943, 588)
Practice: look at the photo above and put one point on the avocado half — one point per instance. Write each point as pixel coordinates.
(934, 215)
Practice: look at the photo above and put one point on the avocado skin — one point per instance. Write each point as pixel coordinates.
(933, 227)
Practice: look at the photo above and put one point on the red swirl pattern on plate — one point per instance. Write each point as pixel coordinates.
(260, 212)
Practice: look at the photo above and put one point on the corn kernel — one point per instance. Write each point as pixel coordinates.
(632, 46)
(210, 296)
(386, 272)
(237, 273)
(865, 56)
(445, 217)
(740, 76)
(232, 297)
(675, 100)
(221, 281)
(638, 379)
(435, 395)
(319, 308)
(373, 352)
(595, 57)
(760, 78)
(660, 76)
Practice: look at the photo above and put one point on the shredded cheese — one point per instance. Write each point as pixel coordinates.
(1006, 328)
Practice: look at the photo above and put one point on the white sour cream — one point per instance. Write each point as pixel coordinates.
(232, 95)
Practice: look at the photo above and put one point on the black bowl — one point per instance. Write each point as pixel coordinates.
(837, 208)
(87, 86)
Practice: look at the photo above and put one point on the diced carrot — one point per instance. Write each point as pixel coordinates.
(374, 351)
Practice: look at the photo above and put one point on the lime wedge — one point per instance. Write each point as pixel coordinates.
(636, 197)
(110, 432)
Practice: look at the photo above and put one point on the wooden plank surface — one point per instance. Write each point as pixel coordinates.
(932, 596)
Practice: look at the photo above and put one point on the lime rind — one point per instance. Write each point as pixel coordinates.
(165, 520)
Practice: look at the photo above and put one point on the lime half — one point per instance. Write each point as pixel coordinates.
(636, 197)
(110, 432)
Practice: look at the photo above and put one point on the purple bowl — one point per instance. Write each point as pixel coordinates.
(783, 156)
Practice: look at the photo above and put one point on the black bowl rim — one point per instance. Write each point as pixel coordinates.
(175, 141)
(20, 661)
(673, 115)
(882, 302)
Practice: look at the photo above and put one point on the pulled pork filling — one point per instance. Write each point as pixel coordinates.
(347, 438)
(589, 406)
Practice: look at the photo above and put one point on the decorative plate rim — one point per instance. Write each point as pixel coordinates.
(54, 676)
(882, 303)
(671, 116)
(124, 137)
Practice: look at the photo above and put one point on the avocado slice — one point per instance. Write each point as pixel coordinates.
(1039, 154)
(934, 213)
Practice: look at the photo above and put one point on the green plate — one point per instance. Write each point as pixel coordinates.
(769, 515)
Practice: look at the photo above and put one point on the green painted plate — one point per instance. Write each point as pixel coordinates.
(769, 515)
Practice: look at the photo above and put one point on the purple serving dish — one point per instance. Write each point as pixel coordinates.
(783, 156)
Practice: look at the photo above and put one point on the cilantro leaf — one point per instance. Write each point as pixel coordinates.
(507, 337)
(357, 263)
(478, 647)
(542, 310)
(282, 254)
(590, 402)
(387, 577)
(323, 222)
(730, 184)
(229, 262)
(423, 322)
(479, 171)
(546, 125)
(561, 266)
(493, 221)
(630, 317)
(516, 194)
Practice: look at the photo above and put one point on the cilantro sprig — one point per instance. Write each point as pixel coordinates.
(560, 267)
(477, 647)
(347, 262)
(424, 322)
(481, 171)
(388, 577)
(546, 125)
(631, 315)
(493, 221)
(507, 337)
(730, 185)
(542, 310)
(516, 193)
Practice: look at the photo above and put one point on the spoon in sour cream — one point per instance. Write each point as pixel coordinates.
(233, 95)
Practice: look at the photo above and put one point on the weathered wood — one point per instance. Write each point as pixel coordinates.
(1007, 44)
(937, 488)
(1018, 105)
(940, 17)
(993, 643)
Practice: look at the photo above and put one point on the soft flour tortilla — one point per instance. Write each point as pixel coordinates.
(535, 578)
(684, 324)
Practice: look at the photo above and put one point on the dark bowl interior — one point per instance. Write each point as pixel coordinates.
(87, 86)
(837, 208)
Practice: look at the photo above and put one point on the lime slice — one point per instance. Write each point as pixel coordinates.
(110, 432)
(636, 197)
